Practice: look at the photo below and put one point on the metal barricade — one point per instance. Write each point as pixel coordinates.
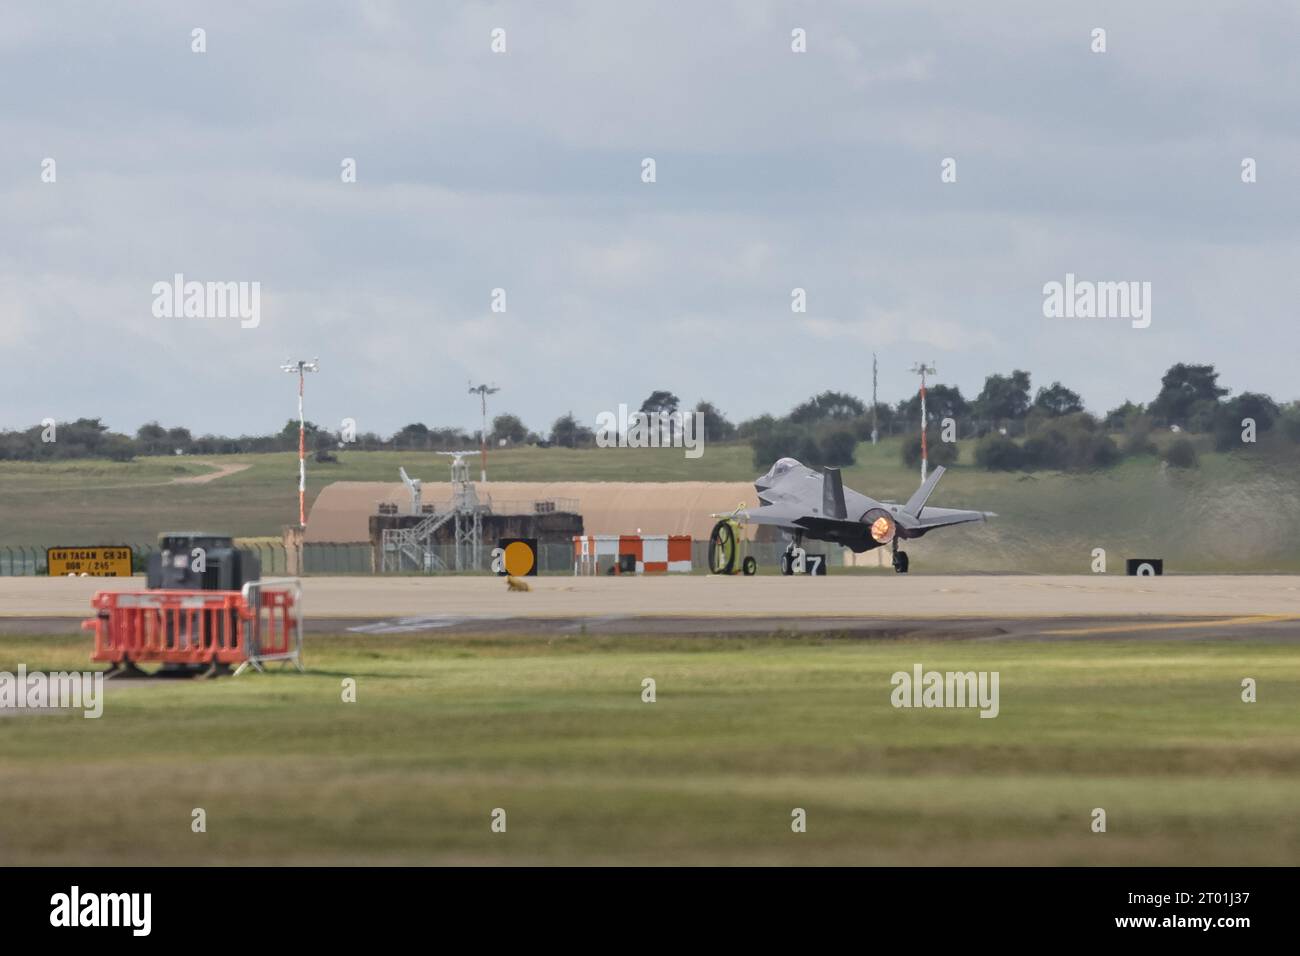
(260, 624)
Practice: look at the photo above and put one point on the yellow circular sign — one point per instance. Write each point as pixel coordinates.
(519, 559)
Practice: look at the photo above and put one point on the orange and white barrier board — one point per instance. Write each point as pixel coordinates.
(261, 623)
(653, 553)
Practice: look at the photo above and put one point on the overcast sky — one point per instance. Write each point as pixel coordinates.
(523, 171)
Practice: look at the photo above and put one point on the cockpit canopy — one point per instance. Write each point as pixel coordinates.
(776, 472)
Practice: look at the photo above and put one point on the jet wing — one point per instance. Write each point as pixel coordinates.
(819, 507)
(818, 525)
(943, 517)
(775, 515)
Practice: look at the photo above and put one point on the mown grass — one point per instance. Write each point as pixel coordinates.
(744, 730)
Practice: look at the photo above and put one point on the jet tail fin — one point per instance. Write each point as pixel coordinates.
(922, 494)
(833, 494)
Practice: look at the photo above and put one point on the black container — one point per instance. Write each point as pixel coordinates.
(176, 566)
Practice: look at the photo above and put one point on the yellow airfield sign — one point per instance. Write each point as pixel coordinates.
(98, 561)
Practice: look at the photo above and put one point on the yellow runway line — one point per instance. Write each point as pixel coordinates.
(1177, 625)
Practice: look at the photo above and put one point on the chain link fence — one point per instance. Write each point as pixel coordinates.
(318, 558)
(552, 558)
(358, 558)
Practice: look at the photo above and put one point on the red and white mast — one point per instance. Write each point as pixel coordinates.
(483, 391)
(301, 367)
(920, 368)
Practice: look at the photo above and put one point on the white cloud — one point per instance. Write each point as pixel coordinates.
(776, 170)
(897, 328)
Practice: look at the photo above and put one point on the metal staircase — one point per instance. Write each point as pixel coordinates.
(412, 549)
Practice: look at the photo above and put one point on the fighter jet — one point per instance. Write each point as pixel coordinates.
(805, 503)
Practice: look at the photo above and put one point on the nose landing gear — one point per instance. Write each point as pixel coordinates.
(787, 556)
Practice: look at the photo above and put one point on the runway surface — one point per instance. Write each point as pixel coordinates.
(1056, 607)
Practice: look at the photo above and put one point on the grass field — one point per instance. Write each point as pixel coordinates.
(50, 501)
(446, 729)
(1234, 513)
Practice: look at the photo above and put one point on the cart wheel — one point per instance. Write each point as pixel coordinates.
(722, 548)
(749, 566)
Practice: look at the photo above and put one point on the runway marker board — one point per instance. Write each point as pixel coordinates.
(96, 561)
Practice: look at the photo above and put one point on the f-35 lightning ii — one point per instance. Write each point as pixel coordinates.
(807, 503)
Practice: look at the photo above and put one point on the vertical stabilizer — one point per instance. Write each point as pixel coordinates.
(922, 495)
(833, 494)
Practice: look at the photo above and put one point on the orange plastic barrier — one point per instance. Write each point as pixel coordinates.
(195, 627)
(275, 631)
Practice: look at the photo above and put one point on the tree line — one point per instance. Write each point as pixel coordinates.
(1013, 427)
(91, 438)
(1016, 428)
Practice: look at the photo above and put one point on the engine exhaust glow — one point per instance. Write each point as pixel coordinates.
(883, 529)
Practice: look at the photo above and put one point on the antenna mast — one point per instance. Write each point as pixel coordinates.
(875, 430)
(483, 391)
(920, 368)
(300, 367)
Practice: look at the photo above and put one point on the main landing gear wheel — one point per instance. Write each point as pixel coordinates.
(900, 562)
(722, 548)
(748, 567)
(787, 563)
